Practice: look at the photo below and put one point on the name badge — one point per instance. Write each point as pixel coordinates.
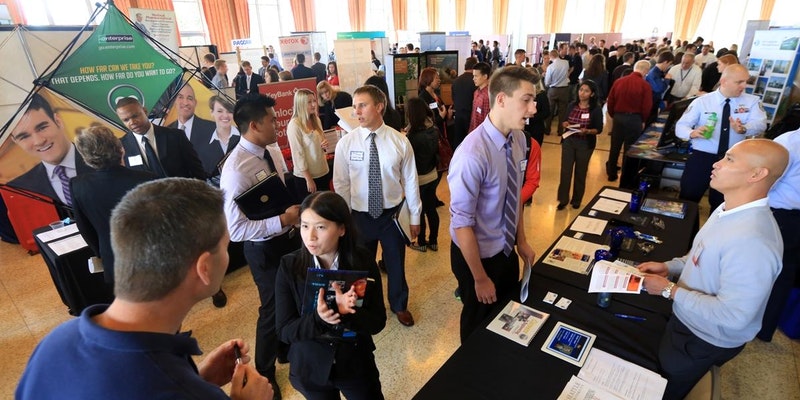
(478, 109)
(135, 160)
(585, 116)
(356, 156)
(433, 106)
(523, 165)
(261, 175)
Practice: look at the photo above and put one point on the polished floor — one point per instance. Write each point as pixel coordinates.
(406, 357)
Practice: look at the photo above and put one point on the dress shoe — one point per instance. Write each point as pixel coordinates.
(219, 299)
(457, 294)
(439, 203)
(561, 206)
(576, 206)
(405, 318)
(612, 178)
(419, 247)
(433, 247)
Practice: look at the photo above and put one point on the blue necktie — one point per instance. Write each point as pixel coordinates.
(725, 129)
(61, 171)
(511, 202)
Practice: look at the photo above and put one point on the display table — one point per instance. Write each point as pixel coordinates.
(488, 366)
(77, 287)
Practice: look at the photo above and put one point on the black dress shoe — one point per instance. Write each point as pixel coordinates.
(439, 203)
(561, 206)
(576, 206)
(219, 299)
(612, 178)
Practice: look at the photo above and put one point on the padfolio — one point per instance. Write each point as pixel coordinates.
(265, 199)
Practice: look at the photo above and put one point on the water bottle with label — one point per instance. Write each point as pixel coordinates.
(711, 123)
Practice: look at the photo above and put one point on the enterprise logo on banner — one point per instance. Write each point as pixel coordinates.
(115, 39)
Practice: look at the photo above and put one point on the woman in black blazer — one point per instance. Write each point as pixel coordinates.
(323, 363)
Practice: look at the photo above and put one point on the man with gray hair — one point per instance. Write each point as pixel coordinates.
(95, 194)
(130, 348)
(629, 104)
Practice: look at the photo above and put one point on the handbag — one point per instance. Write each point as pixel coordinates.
(445, 153)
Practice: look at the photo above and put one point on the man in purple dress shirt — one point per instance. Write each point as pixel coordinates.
(485, 216)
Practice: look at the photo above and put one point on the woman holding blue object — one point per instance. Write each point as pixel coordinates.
(323, 363)
(584, 122)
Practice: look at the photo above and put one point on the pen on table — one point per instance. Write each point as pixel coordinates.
(631, 317)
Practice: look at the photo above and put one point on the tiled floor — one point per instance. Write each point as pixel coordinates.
(407, 357)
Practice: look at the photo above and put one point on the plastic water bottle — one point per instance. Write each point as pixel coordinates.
(711, 123)
(603, 298)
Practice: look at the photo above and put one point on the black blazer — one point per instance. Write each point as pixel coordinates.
(176, 154)
(311, 356)
(321, 71)
(211, 153)
(241, 84)
(438, 121)
(327, 110)
(301, 72)
(94, 196)
(37, 181)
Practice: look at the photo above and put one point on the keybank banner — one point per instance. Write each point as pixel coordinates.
(115, 62)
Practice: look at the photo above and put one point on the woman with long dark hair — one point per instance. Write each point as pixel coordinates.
(584, 122)
(323, 362)
(424, 138)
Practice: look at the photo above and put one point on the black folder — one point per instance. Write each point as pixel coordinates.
(265, 199)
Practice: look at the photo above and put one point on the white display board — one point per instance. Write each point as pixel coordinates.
(773, 65)
(354, 60)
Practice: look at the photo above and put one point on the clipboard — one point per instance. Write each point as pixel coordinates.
(402, 219)
(265, 199)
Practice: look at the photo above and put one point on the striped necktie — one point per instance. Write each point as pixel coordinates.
(61, 171)
(375, 199)
(511, 202)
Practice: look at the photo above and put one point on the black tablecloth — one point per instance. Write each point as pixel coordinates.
(77, 287)
(488, 366)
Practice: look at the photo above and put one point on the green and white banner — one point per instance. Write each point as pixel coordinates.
(116, 61)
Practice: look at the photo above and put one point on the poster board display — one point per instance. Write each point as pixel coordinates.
(402, 77)
(354, 60)
(462, 44)
(158, 24)
(283, 93)
(773, 65)
(291, 46)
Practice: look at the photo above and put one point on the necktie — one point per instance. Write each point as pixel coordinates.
(271, 163)
(61, 171)
(248, 83)
(725, 128)
(182, 127)
(152, 158)
(375, 186)
(511, 202)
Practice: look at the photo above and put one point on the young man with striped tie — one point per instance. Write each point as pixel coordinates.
(485, 178)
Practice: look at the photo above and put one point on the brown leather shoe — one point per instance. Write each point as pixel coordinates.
(405, 318)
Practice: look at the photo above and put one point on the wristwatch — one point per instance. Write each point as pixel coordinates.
(667, 291)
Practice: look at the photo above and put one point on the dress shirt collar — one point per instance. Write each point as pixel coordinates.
(364, 132)
(762, 202)
(495, 135)
(334, 264)
(151, 136)
(234, 132)
(188, 124)
(720, 98)
(68, 162)
(251, 147)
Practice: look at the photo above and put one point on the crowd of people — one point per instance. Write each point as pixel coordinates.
(393, 161)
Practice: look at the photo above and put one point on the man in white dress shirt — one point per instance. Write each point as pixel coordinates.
(374, 196)
(687, 77)
(266, 240)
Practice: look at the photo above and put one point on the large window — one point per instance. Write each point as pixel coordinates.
(725, 25)
(268, 21)
(189, 16)
(645, 19)
(332, 17)
(58, 12)
(584, 16)
(379, 16)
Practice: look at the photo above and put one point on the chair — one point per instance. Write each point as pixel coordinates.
(708, 388)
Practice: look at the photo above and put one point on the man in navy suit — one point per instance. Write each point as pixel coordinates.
(300, 71)
(96, 193)
(148, 147)
(247, 82)
(40, 133)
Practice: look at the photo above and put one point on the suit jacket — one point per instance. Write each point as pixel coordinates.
(321, 71)
(302, 72)
(94, 196)
(312, 355)
(200, 127)
(211, 153)
(37, 181)
(241, 84)
(176, 154)
(463, 88)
